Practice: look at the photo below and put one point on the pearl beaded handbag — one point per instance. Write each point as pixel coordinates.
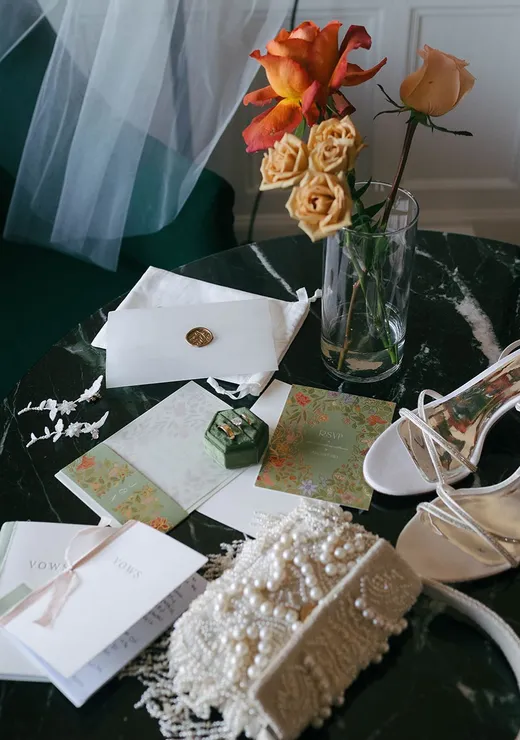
(278, 638)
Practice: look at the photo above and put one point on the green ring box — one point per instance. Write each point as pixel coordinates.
(247, 447)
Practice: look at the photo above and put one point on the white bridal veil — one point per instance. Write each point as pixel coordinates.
(134, 99)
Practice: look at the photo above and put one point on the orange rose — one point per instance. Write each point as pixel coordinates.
(438, 85)
(304, 68)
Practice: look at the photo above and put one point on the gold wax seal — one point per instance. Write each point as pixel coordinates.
(199, 337)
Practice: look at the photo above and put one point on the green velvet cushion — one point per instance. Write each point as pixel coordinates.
(203, 226)
(43, 293)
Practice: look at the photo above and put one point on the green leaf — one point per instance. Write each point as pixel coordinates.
(387, 96)
(361, 221)
(300, 129)
(357, 194)
(358, 207)
(369, 255)
(371, 211)
(381, 248)
(351, 181)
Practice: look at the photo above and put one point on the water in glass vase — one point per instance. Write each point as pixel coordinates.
(374, 354)
(366, 291)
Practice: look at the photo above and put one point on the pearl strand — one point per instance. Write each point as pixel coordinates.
(291, 554)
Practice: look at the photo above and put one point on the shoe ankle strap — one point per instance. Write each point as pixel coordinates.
(458, 517)
(495, 627)
(509, 349)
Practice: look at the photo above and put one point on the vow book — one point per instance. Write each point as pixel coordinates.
(122, 589)
(31, 553)
(154, 469)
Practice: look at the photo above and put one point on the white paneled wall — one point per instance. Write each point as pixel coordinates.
(462, 184)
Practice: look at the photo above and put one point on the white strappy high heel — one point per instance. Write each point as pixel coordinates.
(466, 534)
(399, 462)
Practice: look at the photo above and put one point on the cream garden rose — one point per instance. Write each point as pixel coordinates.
(285, 163)
(439, 85)
(334, 145)
(333, 155)
(332, 128)
(321, 204)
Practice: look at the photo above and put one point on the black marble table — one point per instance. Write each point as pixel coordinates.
(441, 678)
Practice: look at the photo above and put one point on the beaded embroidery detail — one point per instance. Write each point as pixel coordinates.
(277, 639)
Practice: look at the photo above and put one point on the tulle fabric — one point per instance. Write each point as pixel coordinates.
(134, 100)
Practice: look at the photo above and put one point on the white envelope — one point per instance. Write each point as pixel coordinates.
(116, 588)
(237, 503)
(149, 345)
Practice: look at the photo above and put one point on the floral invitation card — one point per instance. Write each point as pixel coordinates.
(154, 469)
(318, 447)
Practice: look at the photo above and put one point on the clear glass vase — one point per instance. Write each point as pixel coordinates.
(366, 290)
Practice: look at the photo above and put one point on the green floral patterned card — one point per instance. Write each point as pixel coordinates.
(154, 469)
(318, 447)
(115, 488)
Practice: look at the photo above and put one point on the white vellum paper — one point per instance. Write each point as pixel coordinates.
(237, 503)
(160, 288)
(116, 588)
(150, 346)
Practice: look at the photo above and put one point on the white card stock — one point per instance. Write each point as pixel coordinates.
(114, 579)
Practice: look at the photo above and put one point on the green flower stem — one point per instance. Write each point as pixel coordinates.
(410, 131)
(380, 316)
(346, 343)
(381, 304)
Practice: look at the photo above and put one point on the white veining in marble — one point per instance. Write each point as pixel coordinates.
(467, 692)
(470, 309)
(481, 327)
(270, 269)
(8, 420)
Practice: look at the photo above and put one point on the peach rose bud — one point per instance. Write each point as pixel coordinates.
(439, 85)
